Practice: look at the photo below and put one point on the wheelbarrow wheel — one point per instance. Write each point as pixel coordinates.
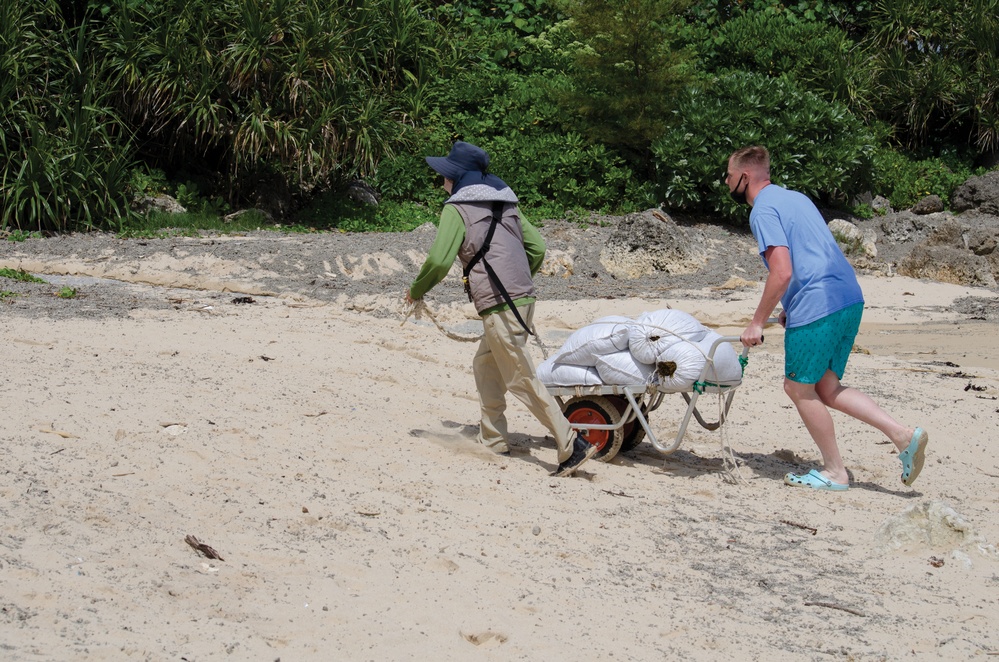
(632, 433)
(596, 410)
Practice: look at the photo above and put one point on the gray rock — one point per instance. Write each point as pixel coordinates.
(949, 265)
(360, 191)
(902, 228)
(265, 217)
(981, 193)
(161, 202)
(952, 251)
(651, 242)
(852, 239)
(881, 205)
(982, 242)
(931, 204)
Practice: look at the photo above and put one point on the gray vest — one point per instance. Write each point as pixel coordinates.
(505, 255)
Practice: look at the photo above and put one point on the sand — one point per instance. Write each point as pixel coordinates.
(327, 454)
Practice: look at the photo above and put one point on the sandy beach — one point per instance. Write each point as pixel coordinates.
(326, 451)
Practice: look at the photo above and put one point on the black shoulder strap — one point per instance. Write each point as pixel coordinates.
(481, 255)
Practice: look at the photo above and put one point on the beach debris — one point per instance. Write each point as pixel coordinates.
(973, 387)
(536, 530)
(322, 413)
(618, 494)
(936, 561)
(243, 300)
(960, 374)
(61, 433)
(266, 358)
(487, 638)
(174, 429)
(202, 548)
(833, 605)
(800, 526)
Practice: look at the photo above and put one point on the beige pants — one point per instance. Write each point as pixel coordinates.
(503, 364)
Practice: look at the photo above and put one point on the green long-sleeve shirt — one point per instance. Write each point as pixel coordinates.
(447, 243)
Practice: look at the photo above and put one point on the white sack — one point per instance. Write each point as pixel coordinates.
(560, 374)
(605, 336)
(679, 366)
(725, 369)
(652, 333)
(622, 368)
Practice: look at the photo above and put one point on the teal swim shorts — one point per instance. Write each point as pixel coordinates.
(825, 344)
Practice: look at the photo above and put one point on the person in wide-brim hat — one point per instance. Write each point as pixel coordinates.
(482, 212)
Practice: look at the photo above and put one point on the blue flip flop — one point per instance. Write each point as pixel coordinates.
(814, 480)
(913, 456)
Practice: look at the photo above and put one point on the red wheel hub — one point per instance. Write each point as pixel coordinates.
(589, 416)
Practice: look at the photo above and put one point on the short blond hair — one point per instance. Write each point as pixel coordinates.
(755, 157)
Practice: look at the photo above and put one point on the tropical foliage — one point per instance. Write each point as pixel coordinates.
(66, 152)
(280, 104)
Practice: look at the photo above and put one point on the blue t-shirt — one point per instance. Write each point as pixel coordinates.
(822, 281)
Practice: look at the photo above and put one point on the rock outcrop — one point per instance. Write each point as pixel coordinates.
(651, 242)
(981, 193)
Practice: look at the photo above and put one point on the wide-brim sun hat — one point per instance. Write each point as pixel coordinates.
(462, 158)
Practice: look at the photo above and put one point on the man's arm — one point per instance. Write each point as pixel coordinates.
(779, 262)
(534, 245)
(450, 235)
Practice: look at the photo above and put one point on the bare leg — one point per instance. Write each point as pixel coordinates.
(819, 423)
(860, 406)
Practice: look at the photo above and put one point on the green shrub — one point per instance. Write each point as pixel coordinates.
(906, 179)
(626, 71)
(816, 147)
(512, 116)
(818, 56)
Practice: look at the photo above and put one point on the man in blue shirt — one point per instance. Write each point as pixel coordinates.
(822, 306)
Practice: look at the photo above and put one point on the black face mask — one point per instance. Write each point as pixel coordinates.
(740, 198)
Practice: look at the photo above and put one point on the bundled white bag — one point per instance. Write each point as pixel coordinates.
(679, 366)
(622, 368)
(652, 333)
(562, 374)
(605, 336)
(725, 369)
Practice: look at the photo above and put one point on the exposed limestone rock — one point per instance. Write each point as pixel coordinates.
(265, 217)
(852, 239)
(360, 191)
(881, 205)
(933, 526)
(954, 253)
(161, 202)
(649, 242)
(948, 265)
(931, 204)
(981, 193)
